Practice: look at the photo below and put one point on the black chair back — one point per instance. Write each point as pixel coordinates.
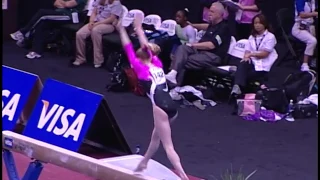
(285, 20)
(285, 57)
(83, 17)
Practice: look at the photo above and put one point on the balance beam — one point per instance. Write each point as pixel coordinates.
(48, 153)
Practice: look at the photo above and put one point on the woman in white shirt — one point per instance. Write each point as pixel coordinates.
(259, 56)
(303, 28)
(184, 31)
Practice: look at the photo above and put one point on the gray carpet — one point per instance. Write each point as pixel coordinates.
(209, 141)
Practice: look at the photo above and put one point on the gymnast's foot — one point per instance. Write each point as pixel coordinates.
(141, 166)
(184, 176)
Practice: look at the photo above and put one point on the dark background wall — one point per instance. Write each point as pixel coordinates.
(22, 10)
(26, 9)
(270, 7)
(9, 19)
(165, 8)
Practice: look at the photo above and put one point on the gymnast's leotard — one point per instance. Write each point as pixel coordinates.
(153, 81)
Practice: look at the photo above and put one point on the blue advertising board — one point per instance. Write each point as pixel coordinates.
(17, 86)
(62, 115)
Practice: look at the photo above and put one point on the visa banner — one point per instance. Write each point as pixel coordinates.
(17, 86)
(62, 115)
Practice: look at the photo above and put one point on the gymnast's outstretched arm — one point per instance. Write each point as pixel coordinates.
(144, 41)
(127, 45)
(139, 30)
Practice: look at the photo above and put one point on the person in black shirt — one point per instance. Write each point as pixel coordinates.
(44, 21)
(207, 52)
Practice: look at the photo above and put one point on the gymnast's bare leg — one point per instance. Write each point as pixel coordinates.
(162, 132)
(153, 146)
(148, 68)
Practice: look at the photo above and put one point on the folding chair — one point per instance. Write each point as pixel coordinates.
(285, 19)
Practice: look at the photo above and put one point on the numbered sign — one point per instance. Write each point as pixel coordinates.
(158, 75)
(240, 48)
(131, 15)
(169, 26)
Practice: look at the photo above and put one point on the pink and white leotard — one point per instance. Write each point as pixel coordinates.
(152, 78)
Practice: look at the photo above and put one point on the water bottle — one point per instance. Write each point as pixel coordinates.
(289, 116)
(137, 149)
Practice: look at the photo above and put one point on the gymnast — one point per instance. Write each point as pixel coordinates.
(148, 68)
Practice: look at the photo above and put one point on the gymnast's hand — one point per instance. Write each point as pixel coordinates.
(137, 23)
(119, 25)
(90, 25)
(146, 46)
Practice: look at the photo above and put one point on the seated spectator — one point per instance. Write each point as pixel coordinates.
(102, 20)
(43, 21)
(208, 51)
(303, 28)
(248, 9)
(226, 16)
(259, 56)
(185, 33)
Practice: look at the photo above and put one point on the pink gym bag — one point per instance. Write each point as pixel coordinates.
(248, 105)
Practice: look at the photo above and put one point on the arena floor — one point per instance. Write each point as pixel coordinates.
(209, 141)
